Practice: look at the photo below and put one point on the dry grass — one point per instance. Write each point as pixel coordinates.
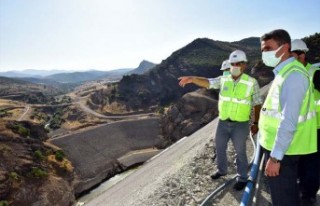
(65, 164)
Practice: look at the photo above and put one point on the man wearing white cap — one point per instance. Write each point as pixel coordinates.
(309, 165)
(238, 94)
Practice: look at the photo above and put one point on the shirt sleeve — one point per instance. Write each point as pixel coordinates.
(256, 96)
(214, 83)
(292, 94)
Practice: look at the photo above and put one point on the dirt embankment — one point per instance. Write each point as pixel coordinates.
(104, 151)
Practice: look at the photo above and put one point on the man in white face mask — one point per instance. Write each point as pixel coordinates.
(287, 125)
(238, 94)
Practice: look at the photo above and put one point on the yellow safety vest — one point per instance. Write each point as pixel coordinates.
(305, 137)
(312, 69)
(235, 99)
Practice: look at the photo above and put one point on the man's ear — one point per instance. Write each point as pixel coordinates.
(287, 47)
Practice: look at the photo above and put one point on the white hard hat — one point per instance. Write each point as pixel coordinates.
(237, 56)
(298, 45)
(225, 65)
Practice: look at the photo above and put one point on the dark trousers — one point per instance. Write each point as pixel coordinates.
(308, 172)
(284, 187)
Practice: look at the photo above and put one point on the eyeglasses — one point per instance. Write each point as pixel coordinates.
(237, 63)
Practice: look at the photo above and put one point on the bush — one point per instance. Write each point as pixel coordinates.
(59, 155)
(38, 173)
(18, 128)
(38, 155)
(4, 203)
(13, 176)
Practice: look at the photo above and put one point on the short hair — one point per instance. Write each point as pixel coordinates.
(279, 35)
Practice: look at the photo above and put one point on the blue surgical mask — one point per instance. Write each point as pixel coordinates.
(225, 73)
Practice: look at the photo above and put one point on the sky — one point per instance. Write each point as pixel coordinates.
(107, 35)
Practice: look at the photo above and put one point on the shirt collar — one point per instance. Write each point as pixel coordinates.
(277, 69)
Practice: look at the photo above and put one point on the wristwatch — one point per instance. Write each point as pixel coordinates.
(274, 160)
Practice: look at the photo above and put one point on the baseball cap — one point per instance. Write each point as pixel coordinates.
(237, 56)
(225, 65)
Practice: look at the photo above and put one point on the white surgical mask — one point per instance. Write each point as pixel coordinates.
(235, 71)
(225, 73)
(269, 57)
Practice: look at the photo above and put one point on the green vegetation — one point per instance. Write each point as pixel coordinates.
(4, 113)
(13, 176)
(4, 203)
(57, 119)
(20, 129)
(59, 155)
(38, 172)
(38, 154)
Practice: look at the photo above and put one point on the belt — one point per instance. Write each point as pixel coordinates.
(229, 120)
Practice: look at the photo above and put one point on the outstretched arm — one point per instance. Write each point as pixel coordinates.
(199, 81)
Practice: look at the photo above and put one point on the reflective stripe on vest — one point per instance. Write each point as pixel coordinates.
(235, 99)
(305, 138)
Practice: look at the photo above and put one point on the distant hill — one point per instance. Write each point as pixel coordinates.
(143, 67)
(26, 91)
(87, 76)
(31, 73)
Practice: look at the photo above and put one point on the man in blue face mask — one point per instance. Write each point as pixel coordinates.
(287, 125)
(239, 93)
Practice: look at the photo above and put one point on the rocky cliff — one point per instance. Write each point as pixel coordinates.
(31, 172)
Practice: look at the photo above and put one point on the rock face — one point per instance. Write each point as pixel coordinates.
(191, 112)
(29, 173)
(95, 152)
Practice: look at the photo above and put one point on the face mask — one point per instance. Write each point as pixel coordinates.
(235, 71)
(269, 57)
(225, 73)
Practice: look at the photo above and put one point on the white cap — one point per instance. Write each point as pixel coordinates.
(298, 45)
(237, 56)
(225, 65)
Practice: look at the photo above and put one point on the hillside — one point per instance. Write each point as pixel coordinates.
(17, 89)
(31, 172)
(159, 86)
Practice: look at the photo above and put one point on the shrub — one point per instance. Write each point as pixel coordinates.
(59, 155)
(38, 173)
(13, 176)
(4, 203)
(38, 154)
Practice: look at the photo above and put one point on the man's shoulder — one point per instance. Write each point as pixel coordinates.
(250, 78)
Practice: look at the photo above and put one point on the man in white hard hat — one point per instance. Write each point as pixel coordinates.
(238, 94)
(225, 67)
(309, 165)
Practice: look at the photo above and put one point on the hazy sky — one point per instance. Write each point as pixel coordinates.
(105, 34)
